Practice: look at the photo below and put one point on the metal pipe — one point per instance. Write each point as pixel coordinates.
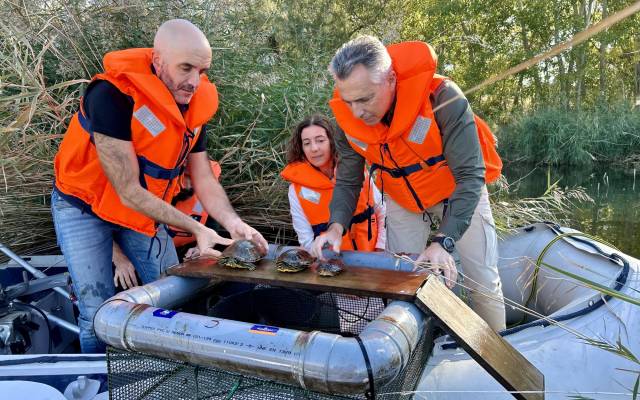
(64, 324)
(377, 260)
(317, 361)
(34, 271)
(166, 292)
(138, 320)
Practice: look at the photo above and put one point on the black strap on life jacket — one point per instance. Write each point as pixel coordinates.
(149, 168)
(404, 172)
(408, 170)
(356, 219)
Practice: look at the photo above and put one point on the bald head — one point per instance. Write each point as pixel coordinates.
(181, 54)
(178, 34)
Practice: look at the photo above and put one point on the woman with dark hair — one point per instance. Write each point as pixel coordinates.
(310, 170)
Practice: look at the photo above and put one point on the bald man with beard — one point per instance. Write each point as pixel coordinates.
(140, 122)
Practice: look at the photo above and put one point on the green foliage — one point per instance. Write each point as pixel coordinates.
(269, 64)
(577, 137)
(475, 40)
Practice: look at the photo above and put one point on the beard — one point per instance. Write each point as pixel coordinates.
(182, 92)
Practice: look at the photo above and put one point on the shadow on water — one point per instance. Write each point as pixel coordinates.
(613, 216)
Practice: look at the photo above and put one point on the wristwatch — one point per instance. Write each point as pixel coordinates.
(446, 242)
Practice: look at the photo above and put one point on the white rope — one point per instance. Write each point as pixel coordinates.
(565, 392)
(489, 295)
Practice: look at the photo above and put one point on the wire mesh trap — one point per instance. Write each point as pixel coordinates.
(139, 376)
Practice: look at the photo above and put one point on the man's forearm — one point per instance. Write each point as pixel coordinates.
(120, 165)
(153, 207)
(215, 201)
(349, 178)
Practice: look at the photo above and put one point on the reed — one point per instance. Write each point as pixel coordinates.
(267, 82)
(608, 134)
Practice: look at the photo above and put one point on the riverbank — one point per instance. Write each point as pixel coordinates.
(614, 214)
(587, 137)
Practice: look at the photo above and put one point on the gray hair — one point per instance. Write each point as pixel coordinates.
(365, 50)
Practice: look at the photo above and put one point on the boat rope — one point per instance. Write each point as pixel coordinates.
(506, 301)
(620, 281)
(573, 394)
(513, 304)
(51, 360)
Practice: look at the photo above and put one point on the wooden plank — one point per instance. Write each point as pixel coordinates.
(353, 280)
(489, 349)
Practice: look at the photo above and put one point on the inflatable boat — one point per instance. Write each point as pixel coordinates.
(570, 331)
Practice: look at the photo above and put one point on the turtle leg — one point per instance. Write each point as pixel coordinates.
(249, 266)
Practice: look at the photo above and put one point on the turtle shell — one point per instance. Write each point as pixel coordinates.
(330, 267)
(244, 251)
(241, 254)
(294, 260)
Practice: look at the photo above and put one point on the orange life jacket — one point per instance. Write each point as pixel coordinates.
(162, 138)
(191, 206)
(314, 190)
(408, 154)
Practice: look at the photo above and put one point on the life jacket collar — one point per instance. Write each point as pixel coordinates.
(305, 174)
(414, 64)
(135, 65)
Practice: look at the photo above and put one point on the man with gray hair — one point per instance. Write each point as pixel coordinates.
(118, 165)
(430, 156)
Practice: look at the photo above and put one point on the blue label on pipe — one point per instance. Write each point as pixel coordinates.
(264, 329)
(162, 313)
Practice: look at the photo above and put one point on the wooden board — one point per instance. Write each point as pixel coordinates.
(489, 349)
(358, 281)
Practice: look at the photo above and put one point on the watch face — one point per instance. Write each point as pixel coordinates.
(448, 244)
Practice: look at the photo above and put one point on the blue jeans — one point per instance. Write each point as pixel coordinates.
(87, 244)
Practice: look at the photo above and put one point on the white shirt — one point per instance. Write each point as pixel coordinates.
(305, 231)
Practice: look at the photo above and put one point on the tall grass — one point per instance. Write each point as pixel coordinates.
(269, 76)
(554, 204)
(574, 137)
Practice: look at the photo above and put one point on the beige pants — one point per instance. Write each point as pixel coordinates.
(478, 250)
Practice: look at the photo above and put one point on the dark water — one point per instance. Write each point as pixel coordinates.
(613, 216)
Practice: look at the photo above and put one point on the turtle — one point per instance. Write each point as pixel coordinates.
(331, 267)
(294, 260)
(241, 254)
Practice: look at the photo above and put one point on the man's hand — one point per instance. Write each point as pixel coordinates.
(192, 253)
(125, 274)
(239, 229)
(333, 237)
(207, 239)
(440, 261)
